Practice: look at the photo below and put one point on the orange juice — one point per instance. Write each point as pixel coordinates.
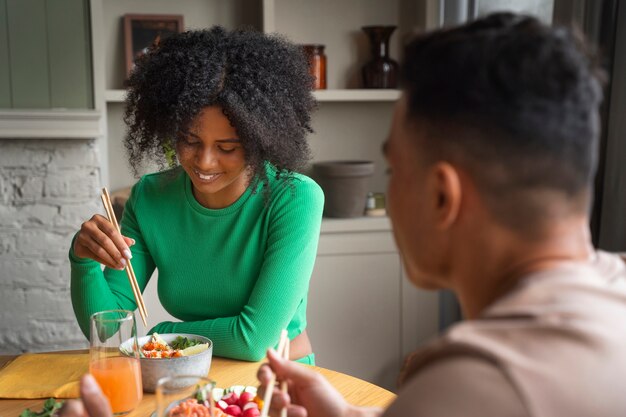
(120, 380)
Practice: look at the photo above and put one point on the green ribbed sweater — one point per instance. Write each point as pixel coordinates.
(237, 275)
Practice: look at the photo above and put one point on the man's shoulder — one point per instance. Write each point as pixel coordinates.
(611, 266)
(458, 384)
(552, 336)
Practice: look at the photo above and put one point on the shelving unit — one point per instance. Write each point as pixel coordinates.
(343, 95)
(350, 123)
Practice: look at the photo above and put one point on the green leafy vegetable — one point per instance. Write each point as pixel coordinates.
(183, 343)
(201, 394)
(49, 409)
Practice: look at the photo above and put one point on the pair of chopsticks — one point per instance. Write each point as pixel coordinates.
(132, 279)
(283, 350)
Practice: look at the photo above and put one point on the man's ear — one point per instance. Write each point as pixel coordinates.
(447, 185)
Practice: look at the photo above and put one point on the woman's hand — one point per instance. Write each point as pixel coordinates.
(310, 394)
(99, 240)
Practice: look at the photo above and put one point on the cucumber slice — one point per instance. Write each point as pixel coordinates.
(237, 389)
(217, 393)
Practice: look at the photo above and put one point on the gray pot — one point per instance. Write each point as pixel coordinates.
(345, 185)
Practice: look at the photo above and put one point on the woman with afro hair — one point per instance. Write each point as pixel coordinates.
(230, 226)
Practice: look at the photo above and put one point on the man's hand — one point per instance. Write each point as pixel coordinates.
(93, 404)
(310, 394)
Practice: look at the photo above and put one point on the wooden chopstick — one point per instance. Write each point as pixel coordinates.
(267, 398)
(129, 270)
(283, 384)
(108, 206)
(132, 279)
(106, 198)
(129, 267)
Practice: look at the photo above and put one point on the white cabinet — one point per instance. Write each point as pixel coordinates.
(355, 309)
(420, 316)
(354, 315)
(363, 314)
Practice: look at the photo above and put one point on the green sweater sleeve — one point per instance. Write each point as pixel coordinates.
(282, 284)
(94, 289)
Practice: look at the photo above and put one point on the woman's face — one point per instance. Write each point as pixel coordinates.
(212, 155)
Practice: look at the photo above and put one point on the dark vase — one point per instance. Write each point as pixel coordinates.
(381, 71)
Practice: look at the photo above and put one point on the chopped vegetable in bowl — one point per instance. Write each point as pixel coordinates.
(156, 347)
(183, 343)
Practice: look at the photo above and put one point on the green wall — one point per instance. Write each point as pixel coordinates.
(45, 55)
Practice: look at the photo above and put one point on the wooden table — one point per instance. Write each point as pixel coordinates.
(227, 372)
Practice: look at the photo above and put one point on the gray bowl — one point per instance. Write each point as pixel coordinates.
(153, 369)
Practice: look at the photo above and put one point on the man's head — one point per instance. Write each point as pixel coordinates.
(509, 107)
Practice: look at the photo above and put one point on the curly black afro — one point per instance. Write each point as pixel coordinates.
(261, 82)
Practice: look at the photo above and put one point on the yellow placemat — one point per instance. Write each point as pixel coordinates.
(43, 375)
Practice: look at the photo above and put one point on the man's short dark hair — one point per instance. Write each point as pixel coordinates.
(514, 102)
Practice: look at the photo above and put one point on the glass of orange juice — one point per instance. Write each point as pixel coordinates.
(116, 367)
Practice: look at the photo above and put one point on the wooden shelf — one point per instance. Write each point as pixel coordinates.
(50, 124)
(357, 95)
(348, 95)
(356, 224)
(114, 96)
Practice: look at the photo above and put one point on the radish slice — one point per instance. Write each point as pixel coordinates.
(231, 398)
(250, 405)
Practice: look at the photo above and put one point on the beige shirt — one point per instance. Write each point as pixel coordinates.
(554, 346)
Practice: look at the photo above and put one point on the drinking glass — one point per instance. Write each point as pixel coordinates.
(114, 358)
(185, 395)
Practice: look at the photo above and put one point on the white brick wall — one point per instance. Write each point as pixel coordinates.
(47, 189)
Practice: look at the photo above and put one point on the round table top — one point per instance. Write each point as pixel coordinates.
(227, 372)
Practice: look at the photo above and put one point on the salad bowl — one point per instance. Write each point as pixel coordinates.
(154, 368)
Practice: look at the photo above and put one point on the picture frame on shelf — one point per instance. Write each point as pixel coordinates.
(142, 31)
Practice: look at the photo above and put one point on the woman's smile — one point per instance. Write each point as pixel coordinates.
(208, 177)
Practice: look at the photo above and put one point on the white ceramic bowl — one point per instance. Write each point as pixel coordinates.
(153, 369)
